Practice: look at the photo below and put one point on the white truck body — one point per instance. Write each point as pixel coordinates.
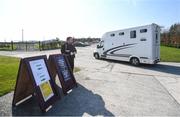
(141, 42)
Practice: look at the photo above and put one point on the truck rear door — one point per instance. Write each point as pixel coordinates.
(157, 43)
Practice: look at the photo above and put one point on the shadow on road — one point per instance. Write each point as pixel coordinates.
(171, 69)
(76, 103)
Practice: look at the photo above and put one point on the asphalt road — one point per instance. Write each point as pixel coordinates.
(109, 88)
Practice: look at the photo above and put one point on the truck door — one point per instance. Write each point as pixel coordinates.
(100, 47)
(157, 43)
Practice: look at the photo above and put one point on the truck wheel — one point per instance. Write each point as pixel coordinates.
(134, 61)
(96, 55)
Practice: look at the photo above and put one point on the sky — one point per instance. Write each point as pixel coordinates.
(48, 19)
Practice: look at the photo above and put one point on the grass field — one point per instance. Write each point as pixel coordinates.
(170, 54)
(8, 73)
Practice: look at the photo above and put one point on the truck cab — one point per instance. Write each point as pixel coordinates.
(99, 50)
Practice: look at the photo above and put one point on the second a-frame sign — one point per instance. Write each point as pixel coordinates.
(59, 65)
(35, 79)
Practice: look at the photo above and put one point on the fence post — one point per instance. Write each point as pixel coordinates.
(42, 45)
(26, 46)
(12, 45)
(39, 46)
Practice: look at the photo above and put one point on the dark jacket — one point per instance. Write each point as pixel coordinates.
(68, 49)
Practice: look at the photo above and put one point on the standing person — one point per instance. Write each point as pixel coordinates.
(69, 49)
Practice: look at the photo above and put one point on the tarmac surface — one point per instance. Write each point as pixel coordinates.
(109, 88)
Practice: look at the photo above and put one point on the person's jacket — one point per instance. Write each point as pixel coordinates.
(68, 49)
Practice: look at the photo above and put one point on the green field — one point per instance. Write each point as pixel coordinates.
(8, 73)
(170, 54)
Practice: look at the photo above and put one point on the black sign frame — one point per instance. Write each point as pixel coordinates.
(35, 90)
(55, 69)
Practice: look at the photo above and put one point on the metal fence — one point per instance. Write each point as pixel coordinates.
(29, 46)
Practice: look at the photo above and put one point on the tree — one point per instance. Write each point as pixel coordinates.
(172, 37)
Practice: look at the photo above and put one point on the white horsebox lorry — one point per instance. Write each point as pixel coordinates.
(135, 45)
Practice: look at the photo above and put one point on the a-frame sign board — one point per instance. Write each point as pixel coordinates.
(59, 65)
(35, 79)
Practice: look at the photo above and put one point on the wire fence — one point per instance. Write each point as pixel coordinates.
(29, 46)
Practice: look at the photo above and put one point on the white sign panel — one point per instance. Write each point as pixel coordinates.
(39, 71)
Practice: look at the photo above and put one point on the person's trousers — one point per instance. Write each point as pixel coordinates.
(71, 62)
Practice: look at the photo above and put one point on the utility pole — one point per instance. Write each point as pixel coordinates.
(22, 35)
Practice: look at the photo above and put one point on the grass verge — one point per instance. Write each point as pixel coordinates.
(170, 54)
(8, 73)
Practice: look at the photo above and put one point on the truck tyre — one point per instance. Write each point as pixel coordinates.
(134, 61)
(96, 55)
